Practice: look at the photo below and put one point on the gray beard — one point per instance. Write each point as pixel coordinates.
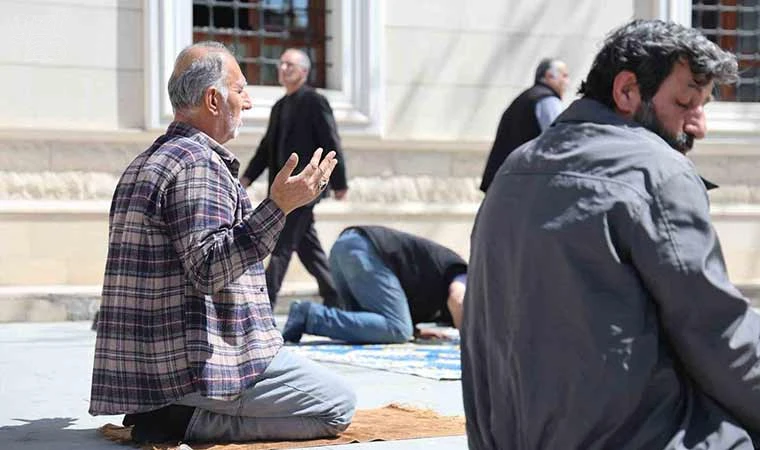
(647, 117)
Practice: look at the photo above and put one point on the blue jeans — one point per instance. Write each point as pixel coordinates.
(375, 306)
(295, 399)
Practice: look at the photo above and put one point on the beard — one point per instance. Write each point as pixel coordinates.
(233, 125)
(647, 117)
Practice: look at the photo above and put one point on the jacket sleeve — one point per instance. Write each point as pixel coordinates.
(260, 160)
(258, 163)
(712, 329)
(326, 133)
(198, 210)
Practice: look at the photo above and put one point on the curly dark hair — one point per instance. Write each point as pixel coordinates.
(649, 49)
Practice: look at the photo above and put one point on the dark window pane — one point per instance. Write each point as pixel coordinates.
(735, 26)
(200, 16)
(257, 32)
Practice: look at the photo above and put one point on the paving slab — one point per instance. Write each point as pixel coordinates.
(45, 373)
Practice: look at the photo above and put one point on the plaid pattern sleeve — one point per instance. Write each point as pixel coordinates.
(213, 245)
(184, 304)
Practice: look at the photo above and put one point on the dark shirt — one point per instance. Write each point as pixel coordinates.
(424, 268)
(598, 311)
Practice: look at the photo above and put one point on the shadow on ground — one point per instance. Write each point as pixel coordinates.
(50, 434)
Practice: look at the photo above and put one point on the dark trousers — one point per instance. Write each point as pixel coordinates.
(300, 236)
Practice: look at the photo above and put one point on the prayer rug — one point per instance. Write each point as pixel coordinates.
(389, 423)
(436, 361)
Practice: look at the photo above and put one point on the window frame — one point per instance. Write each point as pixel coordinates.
(355, 51)
(724, 119)
(252, 17)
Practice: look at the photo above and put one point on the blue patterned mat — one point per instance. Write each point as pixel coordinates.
(439, 362)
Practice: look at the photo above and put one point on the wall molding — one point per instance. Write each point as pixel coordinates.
(90, 192)
(43, 189)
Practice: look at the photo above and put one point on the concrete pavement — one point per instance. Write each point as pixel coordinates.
(45, 382)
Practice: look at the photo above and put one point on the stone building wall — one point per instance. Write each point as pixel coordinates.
(77, 74)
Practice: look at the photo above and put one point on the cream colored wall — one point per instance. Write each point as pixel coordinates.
(453, 66)
(71, 64)
(47, 244)
(450, 66)
(54, 243)
(55, 247)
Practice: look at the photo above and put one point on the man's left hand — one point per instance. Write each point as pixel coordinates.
(340, 194)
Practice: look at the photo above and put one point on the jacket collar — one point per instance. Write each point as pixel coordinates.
(186, 130)
(541, 83)
(588, 110)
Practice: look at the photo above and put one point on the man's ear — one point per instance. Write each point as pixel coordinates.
(211, 100)
(626, 93)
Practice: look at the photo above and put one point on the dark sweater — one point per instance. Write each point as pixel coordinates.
(517, 126)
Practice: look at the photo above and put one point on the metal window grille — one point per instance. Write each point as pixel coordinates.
(258, 31)
(735, 26)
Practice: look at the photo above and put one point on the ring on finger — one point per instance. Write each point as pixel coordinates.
(322, 184)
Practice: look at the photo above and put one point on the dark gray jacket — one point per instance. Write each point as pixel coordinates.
(598, 313)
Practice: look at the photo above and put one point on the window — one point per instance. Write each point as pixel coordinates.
(258, 31)
(352, 62)
(735, 26)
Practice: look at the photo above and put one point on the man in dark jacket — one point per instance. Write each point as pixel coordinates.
(300, 122)
(528, 115)
(601, 315)
(387, 281)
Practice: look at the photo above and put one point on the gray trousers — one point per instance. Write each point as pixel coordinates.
(295, 398)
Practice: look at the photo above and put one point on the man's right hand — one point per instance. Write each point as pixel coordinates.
(292, 191)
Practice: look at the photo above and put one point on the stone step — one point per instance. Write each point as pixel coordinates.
(62, 303)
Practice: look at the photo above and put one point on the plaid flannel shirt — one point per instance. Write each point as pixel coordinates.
(185, 306)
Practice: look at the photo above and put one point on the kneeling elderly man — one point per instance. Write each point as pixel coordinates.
(186, 344)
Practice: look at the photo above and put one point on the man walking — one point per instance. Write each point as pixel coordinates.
(300, 122)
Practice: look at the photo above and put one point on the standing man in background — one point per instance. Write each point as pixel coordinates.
(300, 122)
(529, 114)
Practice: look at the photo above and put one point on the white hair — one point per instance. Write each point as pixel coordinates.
(186, 89)
(305, 62)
